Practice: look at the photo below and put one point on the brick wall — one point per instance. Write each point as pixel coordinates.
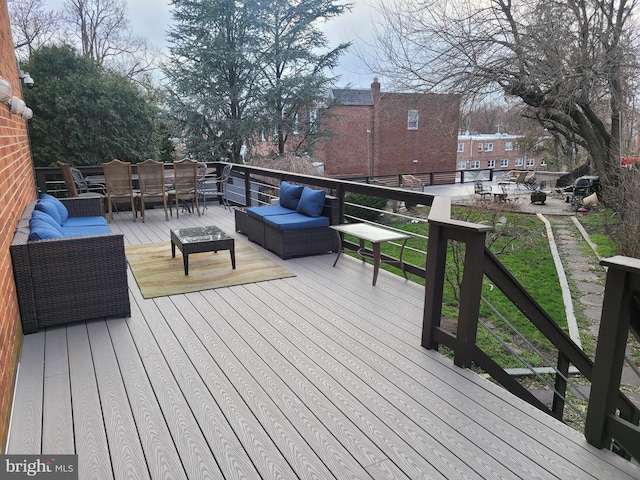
(375, 139)
(16, 190)
(349, 150)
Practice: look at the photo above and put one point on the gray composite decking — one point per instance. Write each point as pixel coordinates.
(317, 376)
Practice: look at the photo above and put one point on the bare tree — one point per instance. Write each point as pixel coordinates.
(105, 35)
(31, 25)
(566, 60)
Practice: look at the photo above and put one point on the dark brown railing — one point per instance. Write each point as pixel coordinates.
(620, 314)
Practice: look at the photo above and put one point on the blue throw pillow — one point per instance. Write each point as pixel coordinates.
(290, 195)
(40, 215)
(41, 230)
(50, 209)
(62, 210)
(311, 202)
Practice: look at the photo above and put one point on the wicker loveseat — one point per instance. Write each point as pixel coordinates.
(61, 280)
(295, 228)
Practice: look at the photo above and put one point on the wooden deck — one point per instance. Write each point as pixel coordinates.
(318, 376)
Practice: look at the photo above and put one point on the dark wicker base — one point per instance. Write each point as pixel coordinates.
(300, 243)
(69, 279)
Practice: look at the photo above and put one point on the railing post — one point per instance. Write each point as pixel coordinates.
(623, 278)
(434, 284)
(470, 295)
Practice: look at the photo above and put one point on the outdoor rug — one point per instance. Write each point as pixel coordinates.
(159, 275)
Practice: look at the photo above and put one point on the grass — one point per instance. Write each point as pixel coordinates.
(520, 243)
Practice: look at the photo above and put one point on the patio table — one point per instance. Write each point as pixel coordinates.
(376, 235)
(201, 239)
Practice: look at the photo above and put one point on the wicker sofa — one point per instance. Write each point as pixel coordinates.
(73, 278)
(289, 231)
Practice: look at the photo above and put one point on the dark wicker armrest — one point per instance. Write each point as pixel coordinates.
(83, 206)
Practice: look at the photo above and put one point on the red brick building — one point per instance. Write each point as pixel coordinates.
(377, 133)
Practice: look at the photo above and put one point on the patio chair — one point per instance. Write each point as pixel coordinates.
(215, 186)
(185, 187)
(152, 185)
(411, 181)
(480, 190)
(117, 176)
(76, 184)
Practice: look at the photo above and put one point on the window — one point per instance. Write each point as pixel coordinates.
(475, 164)
(479, 147)
(488, 147)
(519, 162)
(412, 120)
(460, 147)
(531, 162)
(504, 162)
(491, 164)
(296, 125)
(462, 165)
(508, 146)
(313, 120)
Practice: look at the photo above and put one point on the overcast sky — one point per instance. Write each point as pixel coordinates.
(151, 19)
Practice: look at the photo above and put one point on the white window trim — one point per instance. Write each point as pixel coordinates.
(488, 147)
(461, 148)
(462, 165)
(412, 119)
(475, 164)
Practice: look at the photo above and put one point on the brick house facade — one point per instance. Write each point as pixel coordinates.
(376, 133)
(499, 151)
(17, 189)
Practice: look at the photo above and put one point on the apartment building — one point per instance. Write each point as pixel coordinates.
(499, 151)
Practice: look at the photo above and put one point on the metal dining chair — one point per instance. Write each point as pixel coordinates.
(215, 186)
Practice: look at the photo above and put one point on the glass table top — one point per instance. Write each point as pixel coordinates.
(200, 234)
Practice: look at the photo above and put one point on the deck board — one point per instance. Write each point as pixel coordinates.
(318, 376)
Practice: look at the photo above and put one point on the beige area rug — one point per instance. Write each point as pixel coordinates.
(159, 275)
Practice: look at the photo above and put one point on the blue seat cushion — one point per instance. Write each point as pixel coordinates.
(290, 195)
(62, 210)
(260, 212)
(85, 231)
(50, 209)
(295, 221)
(85, 222)
(311, 202)
(45, 217)
(41, 230)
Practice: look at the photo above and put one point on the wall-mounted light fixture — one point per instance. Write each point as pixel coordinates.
(17, 106)
(5, 90)
(27, 114)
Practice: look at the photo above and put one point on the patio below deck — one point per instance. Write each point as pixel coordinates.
(316, 376)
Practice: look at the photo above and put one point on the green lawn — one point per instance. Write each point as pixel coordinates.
(520, 243)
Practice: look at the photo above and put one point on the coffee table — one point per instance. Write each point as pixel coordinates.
(376, 235)
(201, 239)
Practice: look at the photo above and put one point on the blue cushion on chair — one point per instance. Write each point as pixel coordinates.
(41, 230)
(260, 212)
(86, 230)
(45, 217)
(85, 222)
(50, 209)
(290, 195)
(295, 221)
(62, 210)
(311, 202)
